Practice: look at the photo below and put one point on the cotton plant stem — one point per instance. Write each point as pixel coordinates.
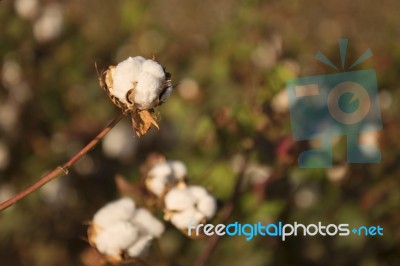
(226, 213)
(62, 169)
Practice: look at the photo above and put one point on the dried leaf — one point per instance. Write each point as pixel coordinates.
(142, 121)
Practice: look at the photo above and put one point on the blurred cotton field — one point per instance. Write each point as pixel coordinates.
(227, 119)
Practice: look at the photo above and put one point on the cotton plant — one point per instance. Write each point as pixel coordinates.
(136, 85)
(121, 231)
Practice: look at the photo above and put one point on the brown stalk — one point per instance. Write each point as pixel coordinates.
(62, 169)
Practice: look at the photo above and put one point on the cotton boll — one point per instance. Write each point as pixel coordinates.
(160, 170)
(158, 178)
(116, 238)
(183, 219)
(147, 223)
(49, 24)
(179, 199)
(140, 247)
(26, 9)
(156, 185)
(120, 210)
(125, 75)
(179, 169)
(207, 206)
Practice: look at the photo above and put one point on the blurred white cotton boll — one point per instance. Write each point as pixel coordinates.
(156, 185)
(9, 114)
(189, 205)
(118, 229)
(305, 198)
(26, 9)
(207, 206)
(160, 170)
(144, 220)
(116, 238)
(11, 73)
(49, 25)
(280, 102)
(140, 247)
(164, 175)
(198, 192)
(120, 210)
(179, 169)
(183, 219)
(179, 199)
(337, 173)
(125, 75)
(119, 142)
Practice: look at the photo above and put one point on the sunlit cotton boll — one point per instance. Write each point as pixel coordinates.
(305, 198)
(49, 25)
(121, 210)
(147, 223)
(337, 173)
(163, 175)
(189, 206)
(147, 78)
(11, 73)
(26, 9)
(280, 102)
(114, 239)
(119, 230)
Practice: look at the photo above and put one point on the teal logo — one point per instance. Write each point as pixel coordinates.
(339, 104)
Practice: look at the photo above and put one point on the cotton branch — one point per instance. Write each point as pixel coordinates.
(62, 169)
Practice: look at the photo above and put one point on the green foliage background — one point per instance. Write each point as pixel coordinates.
(238, 55)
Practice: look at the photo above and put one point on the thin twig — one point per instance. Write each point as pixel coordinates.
(63, 169)
(226, 213)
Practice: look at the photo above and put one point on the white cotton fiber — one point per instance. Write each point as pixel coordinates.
(148, 90)
(198, 192)
(116, 238)
(156, 185)
(140, 247)
(183, 219)
(208, 206)
(178, 199)
(147, 223)
(160, 170)
(179, 169)
(125, 75)
(120, 210)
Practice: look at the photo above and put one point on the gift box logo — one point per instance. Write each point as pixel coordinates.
(340, 104)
